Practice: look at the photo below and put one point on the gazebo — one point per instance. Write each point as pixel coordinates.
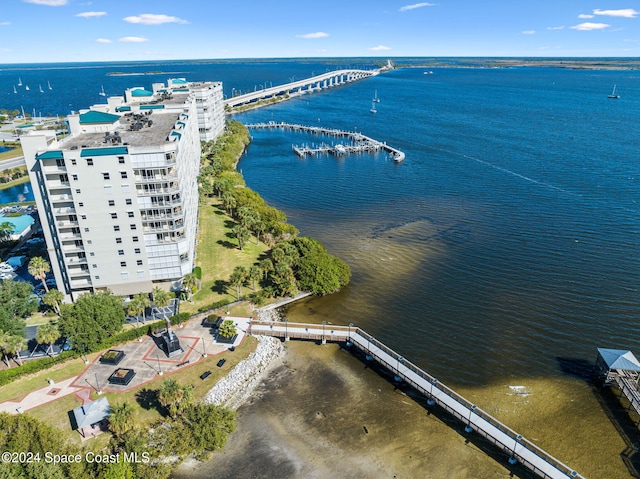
(610, 361)
(91, 417)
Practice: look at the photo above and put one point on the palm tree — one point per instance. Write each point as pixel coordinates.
(189, 282)
(12, 345)
(145, 302)
(121, 418)
(161, 298)
(47, 334)
(242, 234)
(53, 298)
(135, 308)
(227, 329)
(38, 268)
(255, 273)
(6, 230)
(266, 266)
(238, 277)
(169, 396)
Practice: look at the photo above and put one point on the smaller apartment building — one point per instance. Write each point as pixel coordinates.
(118, 198)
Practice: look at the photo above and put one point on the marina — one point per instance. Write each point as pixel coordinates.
(518, 448)
(359, 143)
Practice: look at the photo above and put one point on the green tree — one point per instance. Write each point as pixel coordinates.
(38, 268)
(92, 318)
(11, 346)
(209, 426)
(135, 308)
(254, 275)
(11, 324)
(161, 299)
(47, 333)
(227, 329)
(121, 419)
(6, 230)
(238, 277)
(16, 297)
(53, 298)
(266, 266)
(143, 300)
(117, 470)
(316, 270)
(242, 235)
(174, 397)
(190, 283)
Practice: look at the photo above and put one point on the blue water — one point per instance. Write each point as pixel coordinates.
(16, 193)
(507, 239)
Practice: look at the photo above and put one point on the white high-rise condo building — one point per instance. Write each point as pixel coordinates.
(118, 197)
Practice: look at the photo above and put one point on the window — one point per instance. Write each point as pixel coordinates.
(89, 242)
(112, 203)
(81, 204)
(64, 178)
(73, 161)
(116, 228)
(105, 175)
(86, 230)
(120, 252)
(123, 264)
(77, 191)
(130, 213)
(74, 177)
(84, 217)
(137, 250)
(133, 227)
(60, 162)
(118, 240)
(114, 216)
(89, 161)
(139, 262)
(121, 160)
(94, 265)
(126, 188)
(135, 239)
(91, 253)
(97, 277)
(108, 189)
(128, 201)
(124, 275)
(123, 174)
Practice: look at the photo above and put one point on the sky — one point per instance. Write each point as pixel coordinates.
(33, 31)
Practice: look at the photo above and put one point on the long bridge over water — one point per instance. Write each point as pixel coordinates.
(513, 444)
(300, 87)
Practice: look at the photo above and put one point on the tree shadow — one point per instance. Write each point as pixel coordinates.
(227, 244)
(220, 286)
(148, 399)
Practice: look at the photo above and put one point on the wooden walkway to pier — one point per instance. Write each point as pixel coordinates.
(359, 142)
(515, 445)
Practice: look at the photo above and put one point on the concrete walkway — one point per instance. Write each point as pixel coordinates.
(144, 357)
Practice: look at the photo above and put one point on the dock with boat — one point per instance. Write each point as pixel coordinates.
(353, 143)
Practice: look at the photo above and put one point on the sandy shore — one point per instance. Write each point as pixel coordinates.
(317, 412)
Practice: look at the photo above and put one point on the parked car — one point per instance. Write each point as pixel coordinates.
(51, 282)
(6, 268)
(4, 276)
(35, 241)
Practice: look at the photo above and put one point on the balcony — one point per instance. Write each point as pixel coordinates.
(65, 211)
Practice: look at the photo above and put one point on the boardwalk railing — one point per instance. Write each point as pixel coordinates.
(503, 437)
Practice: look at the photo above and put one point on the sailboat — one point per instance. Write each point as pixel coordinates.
(26, 87)
(49, 85)
(41, 90)
(373, 107)
(375, 97)
(614, 94)
(19, 81)
(102, 93)
(14, 89)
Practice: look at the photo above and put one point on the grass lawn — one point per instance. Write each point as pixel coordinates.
(218, 254)
(32, 382)
(13, 153)
(19, 181)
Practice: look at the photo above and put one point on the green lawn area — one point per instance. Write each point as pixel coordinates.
(218, 254)
(13, 153)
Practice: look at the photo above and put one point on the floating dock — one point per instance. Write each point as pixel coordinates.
(357, 142)
(514, 445)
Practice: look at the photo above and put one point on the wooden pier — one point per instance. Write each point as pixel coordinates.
(513, 444)
(359, 143)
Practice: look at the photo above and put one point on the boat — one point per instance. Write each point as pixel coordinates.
(19, 81)
(14, 89)
(102, 93)
(373, 107)
(614, 94)
(49, 85)
(340, 150)
(27, 88)
(41, 90)
(375, 97)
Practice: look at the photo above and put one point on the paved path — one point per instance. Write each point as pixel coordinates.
(144, 357)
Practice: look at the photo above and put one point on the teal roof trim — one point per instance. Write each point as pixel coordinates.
(141, 92)
(50, 155)
(93, 117)
(123, 108)
(181, 90)
(151, 107)
(117, 150)
(176, 133)
(180, 81)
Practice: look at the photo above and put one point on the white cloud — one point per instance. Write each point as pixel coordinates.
(416, 5)
(48, 3)
(585, 16)
(133, 40)
(555, 28)
(528, 32)
(153, 19)
(91, 14)
(590, 26)
(625, 13)
(313, 35)
(103, 40)
(379, 48)
(5, 23)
